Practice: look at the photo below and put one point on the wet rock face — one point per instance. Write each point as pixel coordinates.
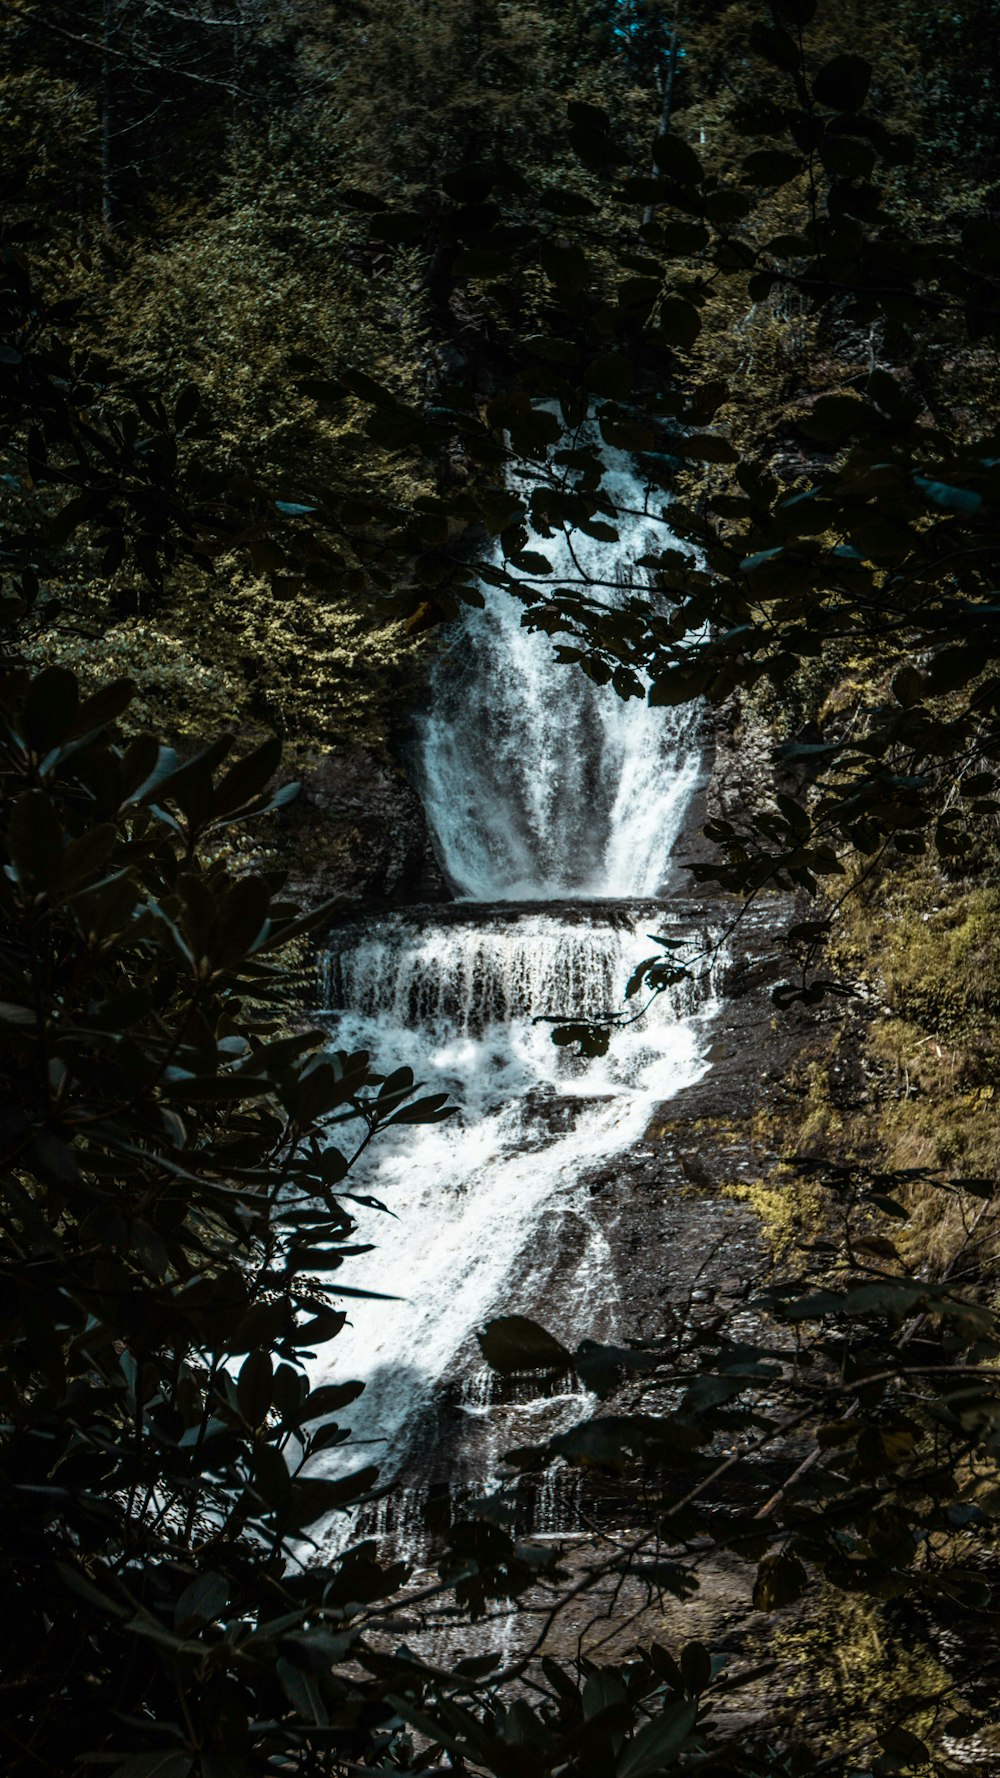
(358, 831)
(743, 768)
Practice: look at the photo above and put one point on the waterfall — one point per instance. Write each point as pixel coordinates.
(544, 789)
(538, 784)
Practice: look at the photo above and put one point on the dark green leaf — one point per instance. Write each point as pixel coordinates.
(657, 1743)
(253, 1391)
(843, 83)
(513, 1343)
(678, 160)
(771, 166)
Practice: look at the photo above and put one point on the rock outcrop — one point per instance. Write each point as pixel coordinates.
(358, 832)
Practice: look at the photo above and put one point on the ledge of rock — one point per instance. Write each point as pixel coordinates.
(358, 831)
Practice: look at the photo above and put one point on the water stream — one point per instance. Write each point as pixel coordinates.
(555, 806)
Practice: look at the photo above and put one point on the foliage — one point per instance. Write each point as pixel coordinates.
(171, 1190)
(87, 451)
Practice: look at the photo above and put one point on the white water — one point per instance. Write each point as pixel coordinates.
(541, 788)
(539, 785)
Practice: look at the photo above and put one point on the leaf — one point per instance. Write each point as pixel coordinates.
(271, 1478)
(776, 47)
(187, 782)
(781, 1579)
(242, 920)
(87, 855)
(167, 762)
(104, 706)
(528, 561)
(843, 83)
(12, 1014)
(82, 1584)
(470, 184)
(186, 406)
(961, 500)
(214, 1089)
(638, 976)
(670, 689)
(398, 227)
(678, 160)
(771, 166)
(357, 199)
(201, 1602)
(35, 840)
(836, 417)
(594, 117)
(679, 323)
(592, 1040)
(513, 1343)
(696, 1666)
(681, 239)
(50, 709)
(564, 202)
(314, 1498)
(431, 1110)
(908, 686)
(666, 1667)
(658, 1742)
(322, 389)
(253, 1389)
(590, 134)
(904, 1747)
(327, 1399)
(601, 1367)
(567, 266)
(708, 447)
(247, 778)
(847, 158)
(53, 1157)
(611, 375)
(139, 762)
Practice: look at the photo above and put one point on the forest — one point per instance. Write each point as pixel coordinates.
(499, 795)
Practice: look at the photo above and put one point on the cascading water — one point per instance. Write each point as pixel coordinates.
(540, 788)
(539, 785)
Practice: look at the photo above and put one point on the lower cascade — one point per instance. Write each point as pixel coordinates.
(555, 807)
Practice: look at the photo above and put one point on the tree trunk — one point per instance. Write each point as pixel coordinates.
(107, 119)
(668, 71)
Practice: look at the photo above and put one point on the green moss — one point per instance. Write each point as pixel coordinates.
(854, 1671)
(940, 963)
(785, 1205)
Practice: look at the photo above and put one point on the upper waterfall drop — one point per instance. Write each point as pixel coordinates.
(539, 785)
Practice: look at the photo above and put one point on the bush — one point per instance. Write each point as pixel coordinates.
(170, 1174)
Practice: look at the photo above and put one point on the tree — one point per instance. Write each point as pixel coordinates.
(154, 71)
